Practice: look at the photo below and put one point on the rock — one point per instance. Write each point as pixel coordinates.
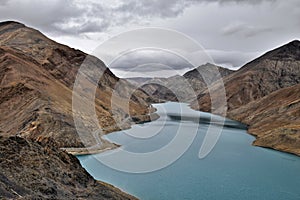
(32, 171)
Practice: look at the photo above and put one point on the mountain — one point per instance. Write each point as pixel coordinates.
(33, 171)
(264, 94)
(36, 82)
(205, 75)
(274, 119)
(36, 119)
(164, 89)
(183, 88)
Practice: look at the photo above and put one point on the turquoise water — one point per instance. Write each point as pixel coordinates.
(233, 170)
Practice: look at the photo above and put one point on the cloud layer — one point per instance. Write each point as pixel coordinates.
(88, 16)
(150, 60)
(232, 31)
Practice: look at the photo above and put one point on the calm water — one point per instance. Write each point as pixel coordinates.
(233, 170)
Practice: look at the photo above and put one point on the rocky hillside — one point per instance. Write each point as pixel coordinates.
(265, 95)
(36, 119)
(164, 89)
(274, 119)
(36, 82)
(32, 171)
(183, 88)
(205, 75)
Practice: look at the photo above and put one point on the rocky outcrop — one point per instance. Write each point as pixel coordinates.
(264, 94)
(33, 171)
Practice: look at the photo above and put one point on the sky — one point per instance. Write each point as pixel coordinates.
(230, 32)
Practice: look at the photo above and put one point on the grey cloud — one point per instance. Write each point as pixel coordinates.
(155, 61)
(234, 26)
(79, 17)
(242, 1)
(60, 17)
(149, 61)
(4, 3)
(232, 59)
(246, 30)
(166, 8)
(45, 15)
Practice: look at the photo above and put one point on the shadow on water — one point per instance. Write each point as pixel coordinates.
(209, 119)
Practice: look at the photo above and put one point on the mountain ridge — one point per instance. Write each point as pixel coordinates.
(263, 78)
(30, 60)
(183, 88)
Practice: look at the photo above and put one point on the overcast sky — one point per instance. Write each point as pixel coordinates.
(232, 32)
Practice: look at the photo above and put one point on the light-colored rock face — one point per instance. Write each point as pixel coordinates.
(265, 95)
(36, 82)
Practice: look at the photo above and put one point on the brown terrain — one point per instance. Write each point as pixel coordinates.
(33, 171)
(205, 75)
(36, 82)
(36, 118)
(264, 94)
(182, 88)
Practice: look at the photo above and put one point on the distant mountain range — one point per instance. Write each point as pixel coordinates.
(182, 88)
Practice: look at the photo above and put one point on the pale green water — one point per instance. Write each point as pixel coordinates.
(233, 170)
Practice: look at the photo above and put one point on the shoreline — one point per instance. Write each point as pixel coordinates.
(256, 143)
(256, 136)
(106, 144)
(85, 151)
(110, 145)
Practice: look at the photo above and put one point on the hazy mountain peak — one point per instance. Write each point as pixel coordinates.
(207, 69)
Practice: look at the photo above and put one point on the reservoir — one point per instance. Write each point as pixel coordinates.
(232, 169)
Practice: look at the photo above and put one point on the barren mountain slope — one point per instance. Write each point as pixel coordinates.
(183, 88)
(264, 94)
(274, 119)
(36, 82)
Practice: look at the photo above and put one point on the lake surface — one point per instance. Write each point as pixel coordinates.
(234, 169)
